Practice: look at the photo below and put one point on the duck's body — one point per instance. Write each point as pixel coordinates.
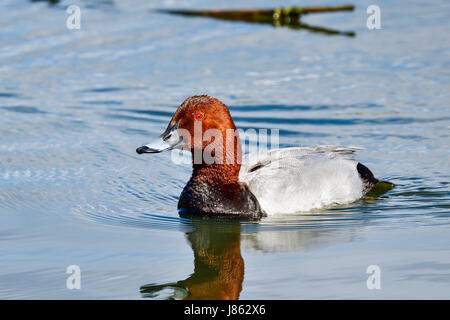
(294, 180)
(280, 181)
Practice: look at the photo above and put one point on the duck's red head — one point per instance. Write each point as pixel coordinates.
(203, 125)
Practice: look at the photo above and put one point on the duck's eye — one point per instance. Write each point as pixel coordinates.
(198, 116)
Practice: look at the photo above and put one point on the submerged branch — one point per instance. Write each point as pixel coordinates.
(279, 17)
(259, 14)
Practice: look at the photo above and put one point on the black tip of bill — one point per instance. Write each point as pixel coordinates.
(145, 149)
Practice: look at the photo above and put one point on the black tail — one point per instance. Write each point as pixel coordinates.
(369, 181)
(372, 184)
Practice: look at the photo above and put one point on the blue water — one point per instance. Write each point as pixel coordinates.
(75, 104)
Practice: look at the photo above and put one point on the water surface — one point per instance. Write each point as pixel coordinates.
(75, 104)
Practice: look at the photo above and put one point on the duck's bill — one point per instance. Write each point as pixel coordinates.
(155, 147)
(169, 140)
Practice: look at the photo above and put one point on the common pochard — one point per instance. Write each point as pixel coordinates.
(281, 181)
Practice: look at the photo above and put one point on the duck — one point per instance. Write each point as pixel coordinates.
(226, 184)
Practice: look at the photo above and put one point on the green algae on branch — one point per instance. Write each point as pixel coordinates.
(278, 17)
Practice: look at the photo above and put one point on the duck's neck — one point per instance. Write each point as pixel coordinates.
(216, 174)
(224, 170)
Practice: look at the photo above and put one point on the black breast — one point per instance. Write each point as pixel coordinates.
(200, 199)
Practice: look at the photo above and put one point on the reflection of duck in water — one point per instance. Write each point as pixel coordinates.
(218, 265)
